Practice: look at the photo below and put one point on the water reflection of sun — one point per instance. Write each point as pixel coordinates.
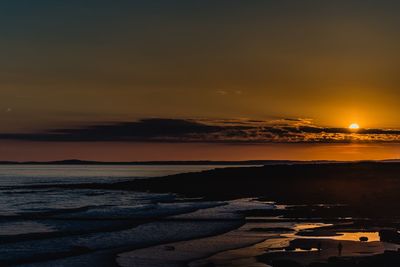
(355, 236)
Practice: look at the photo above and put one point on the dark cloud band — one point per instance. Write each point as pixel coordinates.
(186, 130)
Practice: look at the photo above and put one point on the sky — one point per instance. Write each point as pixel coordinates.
(175, 80)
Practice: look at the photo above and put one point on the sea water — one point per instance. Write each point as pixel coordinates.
(54, 226)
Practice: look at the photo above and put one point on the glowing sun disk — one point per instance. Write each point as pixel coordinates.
(354, 126)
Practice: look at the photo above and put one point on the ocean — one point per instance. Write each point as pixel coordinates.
(52, 226)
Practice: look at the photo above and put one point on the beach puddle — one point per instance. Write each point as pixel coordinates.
(341, 236)
(294, 250)
(358, 236)
(308, 242)
(309, 226)
(273, 242)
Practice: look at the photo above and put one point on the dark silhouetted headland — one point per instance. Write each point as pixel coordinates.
(196, 162)
(362, 184)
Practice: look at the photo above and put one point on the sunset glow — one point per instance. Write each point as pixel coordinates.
(354, 126)
(197, 72)
(145, 133)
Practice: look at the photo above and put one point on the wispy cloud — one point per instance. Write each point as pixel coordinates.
(286, 130)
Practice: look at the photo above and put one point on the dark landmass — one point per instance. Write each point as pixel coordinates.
(188, 162)
(345, 183)
(367, 188)
(199, 162)
(185, 162)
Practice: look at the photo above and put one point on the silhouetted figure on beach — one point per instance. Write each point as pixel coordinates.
(319, 246)
(340, 248)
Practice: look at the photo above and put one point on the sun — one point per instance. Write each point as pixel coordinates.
(354, 126)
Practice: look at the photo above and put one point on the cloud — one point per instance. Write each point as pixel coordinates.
(142, 130)
(286, 130)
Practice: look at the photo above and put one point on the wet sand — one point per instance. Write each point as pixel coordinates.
(270, 241)
(304, 242)
(340, 202)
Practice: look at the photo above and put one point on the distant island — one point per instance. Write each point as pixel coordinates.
(186, 162)
(197, 162)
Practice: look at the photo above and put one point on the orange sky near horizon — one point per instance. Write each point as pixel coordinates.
(106, 151)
